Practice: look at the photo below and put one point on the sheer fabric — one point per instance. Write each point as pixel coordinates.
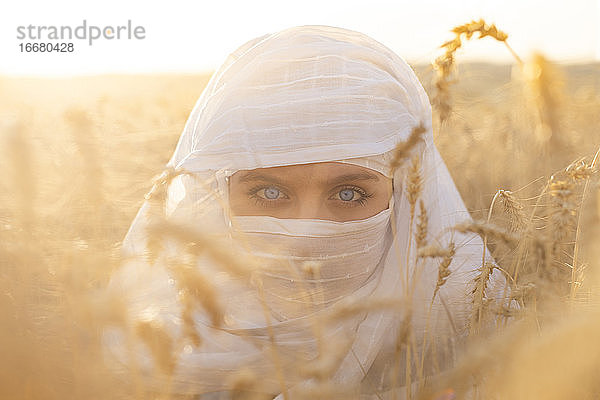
(306, 94)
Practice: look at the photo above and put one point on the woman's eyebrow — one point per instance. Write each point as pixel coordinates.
(258, 176)
(360, 176)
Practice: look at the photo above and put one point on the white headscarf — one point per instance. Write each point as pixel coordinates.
(306, 94)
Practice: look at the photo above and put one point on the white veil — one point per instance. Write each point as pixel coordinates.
(303, 95)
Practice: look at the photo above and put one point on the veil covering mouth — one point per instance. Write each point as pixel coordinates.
(306, 94)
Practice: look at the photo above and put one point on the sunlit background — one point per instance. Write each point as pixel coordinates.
(196, 36)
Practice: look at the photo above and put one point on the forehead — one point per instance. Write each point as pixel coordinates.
(322, 172)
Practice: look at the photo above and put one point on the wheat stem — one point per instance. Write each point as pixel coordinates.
(575, 265)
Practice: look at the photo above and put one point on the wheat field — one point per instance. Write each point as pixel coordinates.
(521, 142)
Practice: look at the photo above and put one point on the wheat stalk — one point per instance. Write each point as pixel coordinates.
(422, 223)
(514, 209)
(160, 343)
(545, 83)
(443, 269)
(444, 64)
(403, 149)
(580, 170)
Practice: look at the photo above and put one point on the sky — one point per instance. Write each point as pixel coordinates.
(196, 36)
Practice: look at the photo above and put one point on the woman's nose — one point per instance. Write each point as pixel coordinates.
(310, 207)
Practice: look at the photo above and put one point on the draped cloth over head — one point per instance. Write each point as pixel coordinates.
(306, 94)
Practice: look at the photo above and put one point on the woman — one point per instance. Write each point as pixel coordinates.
(310, 154)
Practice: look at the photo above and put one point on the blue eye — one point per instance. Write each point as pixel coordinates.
(346, 194)
(268, 196)
(271, 193)
(351, 196)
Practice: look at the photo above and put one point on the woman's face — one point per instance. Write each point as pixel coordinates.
(329, 190)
